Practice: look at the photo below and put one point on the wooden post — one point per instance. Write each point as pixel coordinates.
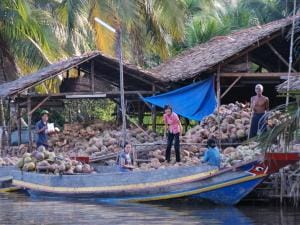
(187, 123)
(4, 133)
(153, 112)
(93, 76)
(9, 121)
(140, 114)
(219, 101)
(19, 126)
(230, 86)
(29, 123)
(280, 56)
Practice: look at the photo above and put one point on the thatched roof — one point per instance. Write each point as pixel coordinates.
(199, 59)
(294, 85)
(105, 64)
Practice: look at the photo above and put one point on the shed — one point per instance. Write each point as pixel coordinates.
(96, 76)
(239, 60)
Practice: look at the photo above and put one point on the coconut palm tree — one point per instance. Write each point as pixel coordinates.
(148, 26)
(26, 40)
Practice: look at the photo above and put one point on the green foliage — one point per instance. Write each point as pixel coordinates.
(89, 109)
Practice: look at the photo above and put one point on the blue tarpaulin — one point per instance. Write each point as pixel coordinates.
(194, 101)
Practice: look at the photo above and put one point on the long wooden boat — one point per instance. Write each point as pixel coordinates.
(226, 186)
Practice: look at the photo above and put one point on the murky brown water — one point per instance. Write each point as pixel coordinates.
(18, 208)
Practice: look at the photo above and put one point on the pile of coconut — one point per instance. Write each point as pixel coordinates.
(8, 161)
(234, 125)
(98, 139)
(230, 156)
(42, 160)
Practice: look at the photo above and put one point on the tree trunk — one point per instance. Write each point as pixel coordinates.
(8, 68)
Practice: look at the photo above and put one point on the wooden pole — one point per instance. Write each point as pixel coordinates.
(230, 86)
(38, 105)
(153, 112)
(123, 110)
(19, 126)
(280, 56)
(9, 121)
(140, 114)
(4, 133)
(219, 101)
(93, 75)
(29, 123)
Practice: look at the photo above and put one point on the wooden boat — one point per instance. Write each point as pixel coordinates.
(226, 186)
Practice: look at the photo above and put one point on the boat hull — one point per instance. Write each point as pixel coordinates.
(196, 182)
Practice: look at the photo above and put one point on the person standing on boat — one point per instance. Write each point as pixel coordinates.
(259, 107)
(173, 129)
(124, 160)
(41, 130)
(212, 154)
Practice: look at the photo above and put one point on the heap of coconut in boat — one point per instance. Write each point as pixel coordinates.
(42, 160)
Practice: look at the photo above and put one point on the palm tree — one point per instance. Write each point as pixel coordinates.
(26, 39)
(207, 19)
(148, 26)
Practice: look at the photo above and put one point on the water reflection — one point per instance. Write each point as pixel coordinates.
(16, 208)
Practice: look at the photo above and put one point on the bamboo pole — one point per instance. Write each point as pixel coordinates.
(291, 54)
(287, 94)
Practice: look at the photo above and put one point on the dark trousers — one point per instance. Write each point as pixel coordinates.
(258, 123)
(171, 137)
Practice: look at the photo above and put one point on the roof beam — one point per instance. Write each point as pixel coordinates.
(126, 70)
(279, 56)
(257, 75)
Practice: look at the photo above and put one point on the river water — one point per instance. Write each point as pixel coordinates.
(18, 208)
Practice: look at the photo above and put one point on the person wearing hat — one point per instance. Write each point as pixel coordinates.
(212, 154)
(41, 130)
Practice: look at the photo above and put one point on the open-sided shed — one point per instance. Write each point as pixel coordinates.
(239, 60)
(91, 75)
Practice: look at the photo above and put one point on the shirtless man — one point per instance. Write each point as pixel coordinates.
(259, 106)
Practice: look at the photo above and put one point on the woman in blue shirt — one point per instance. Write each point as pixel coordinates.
(212, 154)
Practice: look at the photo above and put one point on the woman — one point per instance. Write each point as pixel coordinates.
(124, 159)
(173, 128)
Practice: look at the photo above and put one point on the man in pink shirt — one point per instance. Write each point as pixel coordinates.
(173, 128)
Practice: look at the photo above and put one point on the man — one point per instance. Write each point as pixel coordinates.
(174, 129)
(259, 106)
(212, 154)
(124, 159)
(41, 130)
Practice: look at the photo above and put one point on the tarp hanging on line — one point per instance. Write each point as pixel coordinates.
(194, 101)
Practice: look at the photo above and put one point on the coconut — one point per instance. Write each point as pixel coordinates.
(61, 168)
(29, 166)
(27, 159)
(20, 163)
(46, 154)
(86, 168)
(78, 168)
(39, 156)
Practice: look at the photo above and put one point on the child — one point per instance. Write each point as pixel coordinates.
(212, 154)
